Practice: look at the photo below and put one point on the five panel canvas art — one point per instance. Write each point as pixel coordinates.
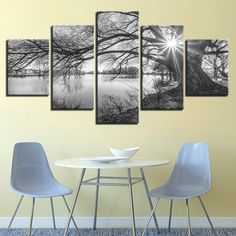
(117, 65)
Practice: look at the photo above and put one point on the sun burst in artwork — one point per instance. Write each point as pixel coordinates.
(172, 43)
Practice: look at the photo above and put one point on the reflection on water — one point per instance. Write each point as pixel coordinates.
(121, 87)
(75, 92)
(32, 85)
(117, 100)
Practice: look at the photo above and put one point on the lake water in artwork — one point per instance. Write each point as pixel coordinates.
(75, 92)
(31, 85)
(122, 88)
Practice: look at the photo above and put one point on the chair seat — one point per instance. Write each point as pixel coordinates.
(170, 191)
(43, 190)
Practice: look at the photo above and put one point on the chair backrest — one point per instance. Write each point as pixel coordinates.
(29, 166)
(192, 166)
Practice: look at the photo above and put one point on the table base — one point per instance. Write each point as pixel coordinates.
(96, 181)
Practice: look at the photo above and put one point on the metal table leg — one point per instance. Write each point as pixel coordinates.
(149, 199)
(132, 201)
(68, 208)
(158, 199)
(96, 201)
(75, 201)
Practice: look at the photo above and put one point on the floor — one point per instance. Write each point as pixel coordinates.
(116, 232)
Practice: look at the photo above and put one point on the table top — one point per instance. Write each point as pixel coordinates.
(133, 163)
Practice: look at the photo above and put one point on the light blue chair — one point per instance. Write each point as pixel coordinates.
(190, 178)
(31, 176)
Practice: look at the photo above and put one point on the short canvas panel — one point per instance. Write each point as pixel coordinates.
(207, 68)
(72, 67)
(117, 67)
(162, 67)
(27, 67)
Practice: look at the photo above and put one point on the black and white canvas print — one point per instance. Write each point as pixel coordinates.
(27, 67)
(117, 67)
(72, 67)
(162, 67)
(207, 68)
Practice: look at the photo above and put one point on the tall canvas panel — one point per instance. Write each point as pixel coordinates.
(162, 67)
(117, 39)
(72, 67)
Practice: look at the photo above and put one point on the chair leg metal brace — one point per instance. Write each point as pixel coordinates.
(75, 201)
(189, 225)
(132, 201)
(13, 217)
(53, 214)
(152, 214)
(205, 211)
(31, 217)
(149, 199)
(68, 208)
(96, 202)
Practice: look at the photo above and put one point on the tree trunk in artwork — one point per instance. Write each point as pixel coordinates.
(177, 75)
(198, 82)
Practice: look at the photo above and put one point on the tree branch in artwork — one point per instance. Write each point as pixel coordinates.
(117, 42)
(73, 46)
(162, 67)
(162, 46)
(27, 54)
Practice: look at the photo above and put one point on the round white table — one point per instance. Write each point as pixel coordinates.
(128, 164)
